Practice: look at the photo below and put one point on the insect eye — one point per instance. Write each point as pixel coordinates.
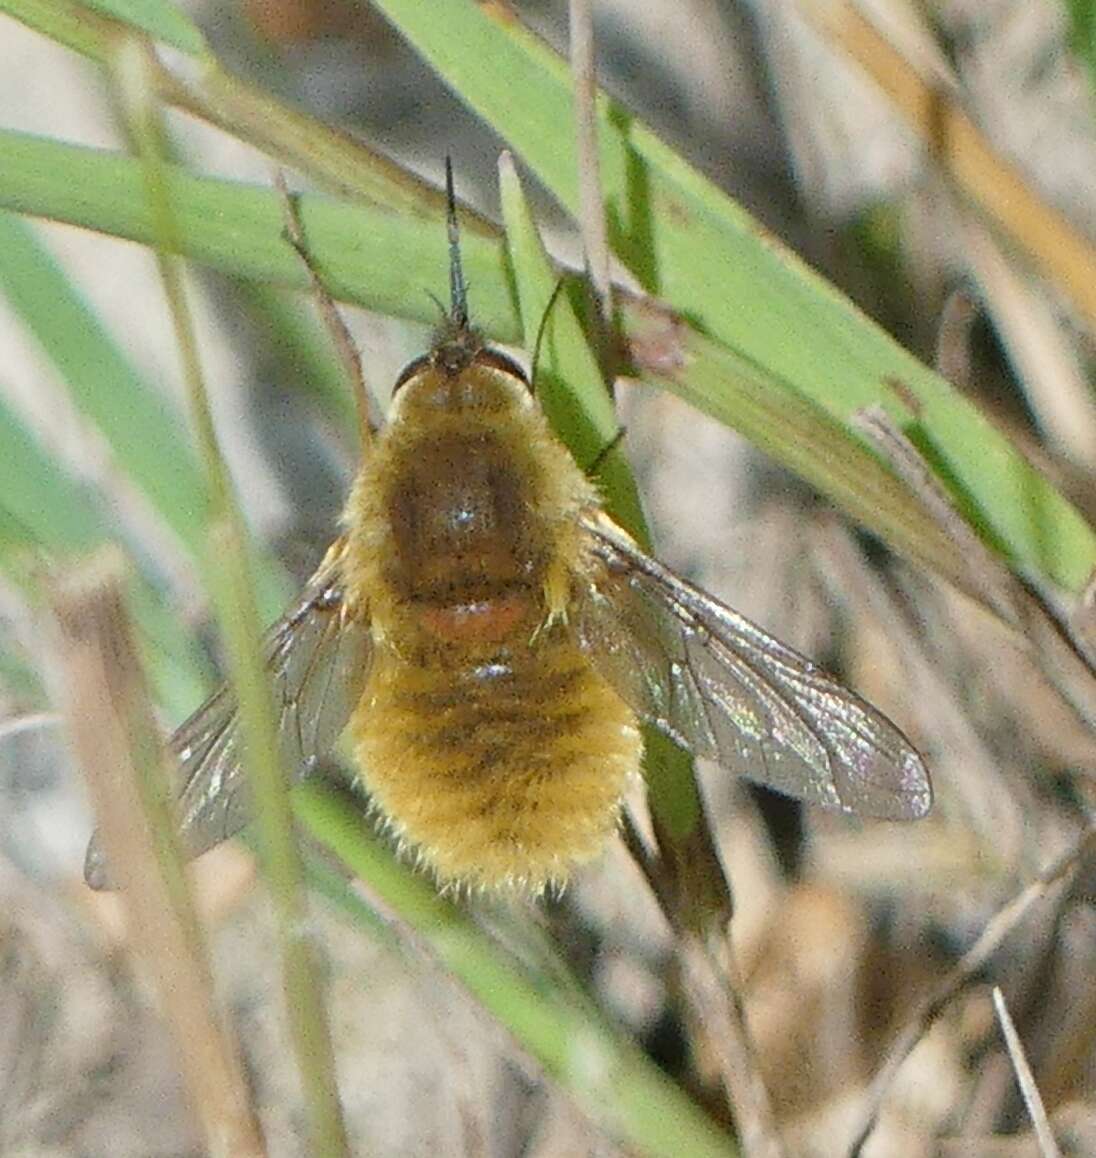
(500, 361)
(410, 370)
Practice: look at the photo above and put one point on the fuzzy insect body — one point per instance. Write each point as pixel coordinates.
(493, 639)
(484, 734)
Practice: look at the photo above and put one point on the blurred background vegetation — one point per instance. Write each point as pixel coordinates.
(842, 931)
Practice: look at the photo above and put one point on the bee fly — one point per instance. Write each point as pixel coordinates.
(493, 641)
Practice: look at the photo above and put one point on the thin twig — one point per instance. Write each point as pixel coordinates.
(991, 807)
(993, 583)
(929, 1008)
(713, 989)
(584, 74)
(987, 578)
(1025, 1078)
(953, 338)
(114, 736)
(1047, 368)
(345, 347)
(1082, 621)
(640, 852)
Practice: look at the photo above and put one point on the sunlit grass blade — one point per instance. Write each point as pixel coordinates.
(69, 23)
(232, 580)
(791, 428)
(566, 378)
(685, 239)
(693, 247)
(203, 87)
(162, 21)
(45, 512)
(377, 259)
(388, 263)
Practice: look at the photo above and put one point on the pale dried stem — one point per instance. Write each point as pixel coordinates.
(1026, 1079)
(712, 987)
(929, 1008)
(592, 210)
(953, 338)
(1047, 368)
(988, 579)
(114, 738)
(974, 772)
(1000, 191)
(238, 617)
(345, 347)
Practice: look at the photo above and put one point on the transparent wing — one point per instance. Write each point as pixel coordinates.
(318, 659)
(723, 688)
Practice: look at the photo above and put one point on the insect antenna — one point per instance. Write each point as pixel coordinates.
(458, 291)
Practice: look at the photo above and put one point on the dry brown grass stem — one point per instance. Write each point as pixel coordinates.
(988, 579)
(345, 347)
(929, 1008)
(712, 987)
(1026, 1079)
(1046, 366)
(595, 242)
(115, 741)
(1051, 243)
(975, 775)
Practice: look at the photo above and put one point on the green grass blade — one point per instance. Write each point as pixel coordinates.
(388, 263)
(1082, 35)
(374, 258)
(233, 583)
(793, 430)
(570, 386)
(44, 510)
(73, 25)
(335, 159)
(143, 428)
(45, 507)
(692, 246)
(149, 439)
(162, 21)
(567, 378)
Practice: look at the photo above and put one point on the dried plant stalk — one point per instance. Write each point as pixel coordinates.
(584, 74)
(1051, 242)
(1047, 1145)
(116, 743)
(929, 1008)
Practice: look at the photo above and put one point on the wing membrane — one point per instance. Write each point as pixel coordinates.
(723, 688)
(318, 659)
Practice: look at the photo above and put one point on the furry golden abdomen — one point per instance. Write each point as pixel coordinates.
(506, 773)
